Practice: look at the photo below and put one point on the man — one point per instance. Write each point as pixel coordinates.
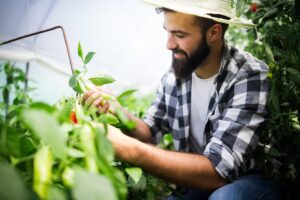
(213, 100)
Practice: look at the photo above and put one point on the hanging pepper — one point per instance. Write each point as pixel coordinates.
(87, 138)
(73, 117)
(42, 170)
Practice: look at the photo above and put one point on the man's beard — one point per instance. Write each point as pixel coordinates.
(185, 66)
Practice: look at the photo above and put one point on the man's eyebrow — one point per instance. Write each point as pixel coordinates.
(176, 31)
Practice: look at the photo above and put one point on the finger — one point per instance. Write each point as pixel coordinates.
(88, 94)
(92, 98)
(105, 107)
(97, 104)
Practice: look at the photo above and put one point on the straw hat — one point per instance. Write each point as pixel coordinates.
(203, 8)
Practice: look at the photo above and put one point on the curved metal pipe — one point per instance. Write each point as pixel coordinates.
(43, 31)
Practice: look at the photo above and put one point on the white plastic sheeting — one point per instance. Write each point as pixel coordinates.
(127, 36)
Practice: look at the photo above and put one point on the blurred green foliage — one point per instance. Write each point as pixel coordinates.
(276, 41)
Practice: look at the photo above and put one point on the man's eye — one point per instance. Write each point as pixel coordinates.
(180, 35)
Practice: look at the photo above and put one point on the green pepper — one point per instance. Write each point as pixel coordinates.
(42, 167)
(87, 138)
(68, 177)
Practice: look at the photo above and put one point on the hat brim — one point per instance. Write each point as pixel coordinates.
(187, 9)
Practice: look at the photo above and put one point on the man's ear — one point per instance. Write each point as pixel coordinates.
(214, 33)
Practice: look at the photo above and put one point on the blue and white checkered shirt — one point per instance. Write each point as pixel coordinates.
(236, 110)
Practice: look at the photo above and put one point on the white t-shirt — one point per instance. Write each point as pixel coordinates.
(202, 91)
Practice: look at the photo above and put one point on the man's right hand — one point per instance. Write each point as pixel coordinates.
(97, 98)
(103, 102)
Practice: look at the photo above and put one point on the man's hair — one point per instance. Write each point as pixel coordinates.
(204, 23)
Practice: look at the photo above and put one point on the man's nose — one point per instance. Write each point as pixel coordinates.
(171, 42)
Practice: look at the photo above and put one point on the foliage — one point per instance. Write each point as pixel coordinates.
(51, 156)
(61, 151)
(277, 41)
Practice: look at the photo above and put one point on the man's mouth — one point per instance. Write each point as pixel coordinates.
(179, 55)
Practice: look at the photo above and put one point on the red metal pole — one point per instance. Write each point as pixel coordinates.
(43, 31)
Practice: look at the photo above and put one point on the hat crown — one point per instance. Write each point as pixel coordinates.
(204, 8)
(222, 7)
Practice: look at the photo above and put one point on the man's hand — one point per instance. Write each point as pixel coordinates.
(103, 102)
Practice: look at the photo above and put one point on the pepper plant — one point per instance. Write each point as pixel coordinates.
(61, 151)
(45, 155)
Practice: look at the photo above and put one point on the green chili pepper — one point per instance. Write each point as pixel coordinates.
(68, 177)
(87, 138)
(42, 167)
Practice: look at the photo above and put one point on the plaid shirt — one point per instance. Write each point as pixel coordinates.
(236, 110)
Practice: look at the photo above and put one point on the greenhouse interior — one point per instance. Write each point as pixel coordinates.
(149, 99)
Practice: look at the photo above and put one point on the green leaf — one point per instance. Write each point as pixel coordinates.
(28, 146)
(167, 139)
(78, 88)
(42, 106)
(75, 84)
(5, 94)
(101, 80)
(89, 57)
(270, 13)
(119, 182)
(89, 186)
(75, 153)
(273, 100)
(294, 75)
(104, 146)
(141, 185)
(73, 81)
(122, 116)
(274, 152)
(135, 173)
(108, 119)
(46, 127)
(13, 142)
(11, 185)
(80, 53)
(77, 72)
(57, 193)
(125, 95)
(124, 120)
(240, 7)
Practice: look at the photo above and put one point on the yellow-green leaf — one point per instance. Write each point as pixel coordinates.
(101, 80)
(89, 57)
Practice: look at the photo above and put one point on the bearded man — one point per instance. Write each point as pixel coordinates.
(213, 101)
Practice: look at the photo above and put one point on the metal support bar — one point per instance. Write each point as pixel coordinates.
(26, 76)
(43, 31)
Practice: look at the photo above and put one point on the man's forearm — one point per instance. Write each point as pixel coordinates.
(183, 169)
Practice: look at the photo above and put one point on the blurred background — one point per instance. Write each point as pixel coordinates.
(127, 36)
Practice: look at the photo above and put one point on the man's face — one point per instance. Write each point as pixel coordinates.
(186, 41)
